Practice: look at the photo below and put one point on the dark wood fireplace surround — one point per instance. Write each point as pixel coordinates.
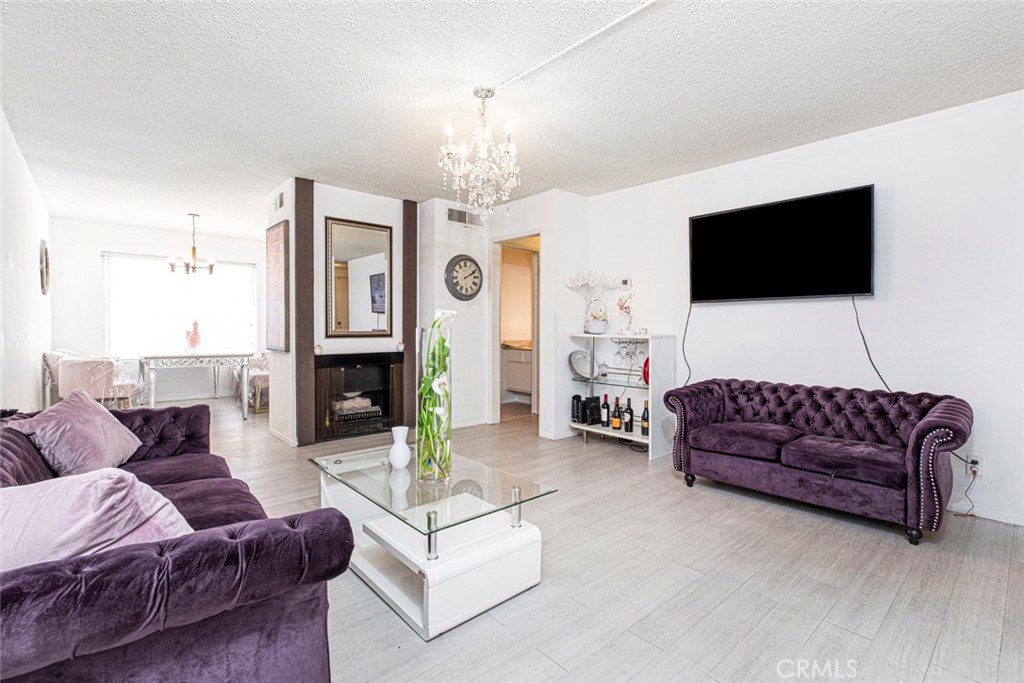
(376, 378)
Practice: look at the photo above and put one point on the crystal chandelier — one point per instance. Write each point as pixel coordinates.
(485, 174)
(192, 264)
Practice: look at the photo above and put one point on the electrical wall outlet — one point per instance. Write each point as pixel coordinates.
(626, 282)
(980, 467)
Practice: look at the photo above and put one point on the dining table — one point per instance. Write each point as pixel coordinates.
(150, 364)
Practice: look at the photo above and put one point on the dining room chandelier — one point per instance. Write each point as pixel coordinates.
(191, 264)
(482, 173)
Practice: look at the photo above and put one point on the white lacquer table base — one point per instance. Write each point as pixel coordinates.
(480, 563)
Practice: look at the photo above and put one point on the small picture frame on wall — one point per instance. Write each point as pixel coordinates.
(277, 287)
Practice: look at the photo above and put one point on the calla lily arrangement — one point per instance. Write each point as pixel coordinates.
(434, 420)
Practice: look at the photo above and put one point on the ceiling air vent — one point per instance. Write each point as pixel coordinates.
(463, 218)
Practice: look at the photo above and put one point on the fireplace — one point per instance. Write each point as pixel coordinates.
(357, 394)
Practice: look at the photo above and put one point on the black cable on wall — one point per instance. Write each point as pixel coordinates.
(856, 313)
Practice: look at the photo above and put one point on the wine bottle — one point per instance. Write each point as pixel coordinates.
(627, 416)
(645, 421)
(616, 416)
(605, 417)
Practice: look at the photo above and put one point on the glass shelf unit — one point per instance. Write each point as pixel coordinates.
(639, 384)
(614, 433)
(626, 376)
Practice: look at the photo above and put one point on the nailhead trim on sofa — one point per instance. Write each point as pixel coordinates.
(935, 442)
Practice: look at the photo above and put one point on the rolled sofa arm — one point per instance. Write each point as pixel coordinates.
(53, 611)
(946, 427)
(168, 431)
(694, 405)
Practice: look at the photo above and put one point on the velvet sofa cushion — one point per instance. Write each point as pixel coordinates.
(79, 435)
(750, 440)
(20, 460)
(168, 431)
(81, 514)
(208, 503)
(874, 416)
(858, 460)
(180, 468)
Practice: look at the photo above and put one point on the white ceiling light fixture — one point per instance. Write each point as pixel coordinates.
(191, 264)
(485, 173)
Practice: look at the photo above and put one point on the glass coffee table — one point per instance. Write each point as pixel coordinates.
(438, 554)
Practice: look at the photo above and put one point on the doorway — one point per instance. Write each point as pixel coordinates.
(519, 327)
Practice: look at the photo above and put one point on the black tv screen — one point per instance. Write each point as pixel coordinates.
(808, 247)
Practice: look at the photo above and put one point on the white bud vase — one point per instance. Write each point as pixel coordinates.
(399, 454)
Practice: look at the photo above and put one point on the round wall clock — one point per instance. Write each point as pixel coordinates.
(463, 277)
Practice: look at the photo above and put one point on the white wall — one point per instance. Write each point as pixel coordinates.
(441, 240)
(516, 294)
(281, 420)
(78, 313)
(561, 220)
(948, 310)
(360, 317)
(336, 202)
(25, 312)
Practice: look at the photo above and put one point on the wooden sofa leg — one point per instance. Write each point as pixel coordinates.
(690, 479)
(914, 536)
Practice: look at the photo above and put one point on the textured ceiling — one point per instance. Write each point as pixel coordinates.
(139, 113)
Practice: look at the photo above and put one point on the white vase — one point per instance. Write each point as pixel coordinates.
(399, 454)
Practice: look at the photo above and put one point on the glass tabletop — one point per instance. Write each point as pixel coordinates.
(473, 491)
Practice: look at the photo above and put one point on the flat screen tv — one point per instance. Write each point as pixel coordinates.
(813, 246)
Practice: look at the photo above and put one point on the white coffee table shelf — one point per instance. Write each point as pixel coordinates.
(483, 557)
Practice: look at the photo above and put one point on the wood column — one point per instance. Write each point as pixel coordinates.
(410, 306)
(305, 371)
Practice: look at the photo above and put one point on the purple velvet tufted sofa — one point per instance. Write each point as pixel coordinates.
(243, 598)
(873, 453)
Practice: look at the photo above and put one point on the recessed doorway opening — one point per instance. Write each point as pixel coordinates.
(519, 325)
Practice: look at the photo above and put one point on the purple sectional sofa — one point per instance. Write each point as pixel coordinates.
(243, 598)
(873, 453)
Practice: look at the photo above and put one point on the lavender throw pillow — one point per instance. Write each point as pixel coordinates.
(79, 435)
(80, 515)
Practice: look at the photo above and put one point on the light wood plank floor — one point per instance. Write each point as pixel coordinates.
(647, 580)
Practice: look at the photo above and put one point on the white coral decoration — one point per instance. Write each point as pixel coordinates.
(589, 284)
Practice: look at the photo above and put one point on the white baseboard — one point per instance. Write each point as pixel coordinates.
(283, 437)
(988, 513)
(558, 434)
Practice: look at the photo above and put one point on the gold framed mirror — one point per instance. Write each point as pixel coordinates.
(358, 279)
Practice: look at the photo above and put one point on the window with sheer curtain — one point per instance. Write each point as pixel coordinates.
(149, 309)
